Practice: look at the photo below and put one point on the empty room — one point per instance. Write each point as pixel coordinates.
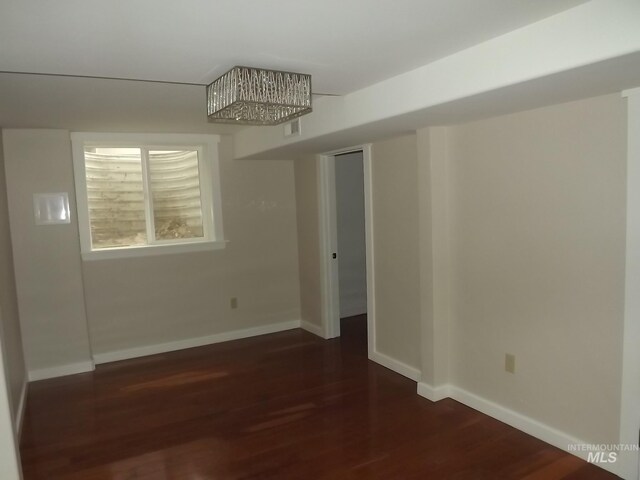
(320, 239)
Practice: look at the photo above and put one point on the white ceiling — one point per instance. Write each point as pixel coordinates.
(344, 44)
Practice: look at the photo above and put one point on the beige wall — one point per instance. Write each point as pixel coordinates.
(521, 227)
(139, 302)
(159, 299)
(10, 323)
(396, 249)
(538, 230)
(306, 180)
(46, 258)
(144, 301)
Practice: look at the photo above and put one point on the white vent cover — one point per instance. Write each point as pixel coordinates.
(292, 129)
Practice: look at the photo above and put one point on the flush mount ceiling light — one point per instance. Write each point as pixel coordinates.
(254, 96)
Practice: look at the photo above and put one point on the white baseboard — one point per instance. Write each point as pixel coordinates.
(136, 352)
(61, 371)
(22, 405)
(312, 328)
(395, 365)
(523, 423)
(433, 393)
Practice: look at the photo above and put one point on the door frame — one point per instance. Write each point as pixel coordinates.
(328, 228)
(630, 401)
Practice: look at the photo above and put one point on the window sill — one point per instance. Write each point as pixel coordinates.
(152, 250)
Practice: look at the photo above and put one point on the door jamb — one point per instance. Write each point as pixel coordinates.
(328, 229)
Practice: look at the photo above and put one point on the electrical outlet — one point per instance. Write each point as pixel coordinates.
(510, 363)
(234, 303)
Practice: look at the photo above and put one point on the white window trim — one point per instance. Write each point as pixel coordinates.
(207, 146)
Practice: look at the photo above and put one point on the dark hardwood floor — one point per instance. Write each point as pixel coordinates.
(281, 406)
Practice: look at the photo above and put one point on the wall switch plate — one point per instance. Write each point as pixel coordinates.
(510, 363)
(234, 302)
(51, 208)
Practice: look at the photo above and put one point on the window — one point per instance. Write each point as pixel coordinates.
(146, 194)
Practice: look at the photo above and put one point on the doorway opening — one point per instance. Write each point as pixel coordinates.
(346, 241)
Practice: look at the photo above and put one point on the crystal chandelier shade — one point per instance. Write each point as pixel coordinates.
(254, 96)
